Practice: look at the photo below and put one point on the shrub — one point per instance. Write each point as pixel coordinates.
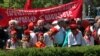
(55, 51)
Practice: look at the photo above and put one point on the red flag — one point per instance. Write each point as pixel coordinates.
(28, 5)
(70, 10)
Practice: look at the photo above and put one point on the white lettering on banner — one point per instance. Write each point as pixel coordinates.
(25, 19)
(66, 14)
(52, 16)
(19, 13)
(9, 12)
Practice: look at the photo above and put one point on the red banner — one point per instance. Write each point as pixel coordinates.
(70, 10)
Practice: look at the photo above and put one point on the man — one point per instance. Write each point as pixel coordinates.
(40, 27)
(75, 37)
(96, 27)
(33, 37)
(60, 35)
(67, 32)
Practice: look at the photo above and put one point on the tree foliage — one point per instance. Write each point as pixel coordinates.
(35, 4)
(96, 2)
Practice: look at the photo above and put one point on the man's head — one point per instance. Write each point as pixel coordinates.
(13, 23)
(97, 18)
(67, 22)
(98, 22)
(40, 22)
(61, 23)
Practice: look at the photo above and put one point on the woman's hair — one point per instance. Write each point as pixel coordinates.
(13, 21)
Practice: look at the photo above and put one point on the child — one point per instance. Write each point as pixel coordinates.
(40, 43)
(49, 37)
(26, 39)
(89, 40)
(12, 43)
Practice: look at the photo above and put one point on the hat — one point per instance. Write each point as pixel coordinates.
(13, 32)
(55, 22)
(73, 26)
(27, 32)
(30, 25)
(54, 30)
(85, 23)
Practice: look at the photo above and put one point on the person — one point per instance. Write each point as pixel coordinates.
(13, 42)
(67, 32)
(98, 35)
(49, 37)
(3, 37)
(60, 35)
(75, 37)
(96, 27)
(13, 25)
(80, 27)
(33, 37)
(40, 26)
(26, 39)
(40, 43)
(88, 38)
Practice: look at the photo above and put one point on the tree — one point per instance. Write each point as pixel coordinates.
(96, 2)
(36, 3)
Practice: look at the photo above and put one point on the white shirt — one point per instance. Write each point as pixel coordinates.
(72, 40)
(11, 44)
(47, 40)
(33, 38)
(98, 31)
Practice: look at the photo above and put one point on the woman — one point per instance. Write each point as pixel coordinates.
(89, 39)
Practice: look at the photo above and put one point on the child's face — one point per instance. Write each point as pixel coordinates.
(88, 33)
(13, 35)
(50, 33)
(40, 38)
(26, 38)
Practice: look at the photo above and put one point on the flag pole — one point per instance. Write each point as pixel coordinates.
(83, 12)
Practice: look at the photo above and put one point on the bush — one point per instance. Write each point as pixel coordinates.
(57, 51)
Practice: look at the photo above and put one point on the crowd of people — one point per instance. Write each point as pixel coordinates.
(59, 33)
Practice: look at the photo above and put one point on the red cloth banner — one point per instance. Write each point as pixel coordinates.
(70, 10)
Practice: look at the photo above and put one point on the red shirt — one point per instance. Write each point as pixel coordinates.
(40, 44)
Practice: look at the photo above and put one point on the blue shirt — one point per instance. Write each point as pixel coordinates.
(59, 37)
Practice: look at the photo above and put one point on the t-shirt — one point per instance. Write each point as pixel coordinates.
(40, 44)
(47, 40)
(12, 45)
